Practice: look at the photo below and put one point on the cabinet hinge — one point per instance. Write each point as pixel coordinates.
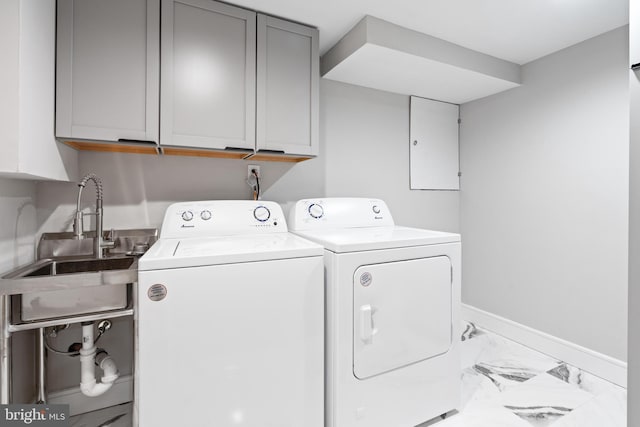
(459, 121)
(459, 174)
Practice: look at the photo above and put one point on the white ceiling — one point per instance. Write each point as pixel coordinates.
(515, 30)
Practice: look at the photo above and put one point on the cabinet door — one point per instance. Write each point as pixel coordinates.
(287, 94)
(107, 70)
(208, 75)
(433, 145)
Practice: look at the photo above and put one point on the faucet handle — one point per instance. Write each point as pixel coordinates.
(108, 242)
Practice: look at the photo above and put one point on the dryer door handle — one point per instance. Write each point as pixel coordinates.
(367, 327)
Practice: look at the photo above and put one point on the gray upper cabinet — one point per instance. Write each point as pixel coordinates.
(195, 77)
(287, 87)
(208, 75)
(107, 70)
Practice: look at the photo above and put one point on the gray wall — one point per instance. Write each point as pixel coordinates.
(366, 137)
(633, 382)
(544, 200)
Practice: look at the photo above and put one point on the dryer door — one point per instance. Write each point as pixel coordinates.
(401, 314)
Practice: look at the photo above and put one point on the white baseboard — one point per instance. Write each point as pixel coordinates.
(599, 364)
(121, 392)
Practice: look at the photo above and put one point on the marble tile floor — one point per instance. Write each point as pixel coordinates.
(114, 416)
(504, 384)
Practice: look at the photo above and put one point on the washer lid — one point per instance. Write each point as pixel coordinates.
(194, 252)
(342, 240)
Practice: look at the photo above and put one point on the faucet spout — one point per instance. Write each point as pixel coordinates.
(99, 243)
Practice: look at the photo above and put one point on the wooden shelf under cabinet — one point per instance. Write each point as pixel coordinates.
(113, 148)
(109, 147)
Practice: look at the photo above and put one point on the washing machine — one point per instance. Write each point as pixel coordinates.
(229, 321)
(392, 313)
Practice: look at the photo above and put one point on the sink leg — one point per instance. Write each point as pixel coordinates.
(42, 368)
(5, 351)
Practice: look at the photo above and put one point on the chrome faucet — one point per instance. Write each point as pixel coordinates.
(99, 243)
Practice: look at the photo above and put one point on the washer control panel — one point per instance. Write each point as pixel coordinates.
(222, 218)
(339, 213)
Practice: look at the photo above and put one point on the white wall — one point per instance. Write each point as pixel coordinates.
(138, 188)
(18, 213)
(544, 200)
(634, 224)
(17, 247)
(365, 133)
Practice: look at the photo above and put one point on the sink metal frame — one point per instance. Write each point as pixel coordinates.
(62, 247)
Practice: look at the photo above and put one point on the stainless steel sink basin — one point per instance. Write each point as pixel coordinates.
(67, 280)
(64, 287)
(51, 267)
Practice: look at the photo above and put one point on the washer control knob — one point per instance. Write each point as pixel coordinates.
(261, 213)
(376, 209)
(205, 214)
(316, 210)
(187, 215)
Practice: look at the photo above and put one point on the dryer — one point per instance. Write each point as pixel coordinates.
(392, 313)
(229, 320)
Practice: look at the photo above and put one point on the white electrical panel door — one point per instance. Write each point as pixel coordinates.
(288, 75)
(208, 65)
(433, 145)
(401, 314)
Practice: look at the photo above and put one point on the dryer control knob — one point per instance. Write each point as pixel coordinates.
(316, 210)
(187, 215)
(205, 214)
(376, 209)
(261, 213)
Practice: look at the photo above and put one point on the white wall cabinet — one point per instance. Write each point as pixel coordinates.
(208, 75)
(634, 43)
(433, 145)
(108, 70)
(27, 85)
(287, 87)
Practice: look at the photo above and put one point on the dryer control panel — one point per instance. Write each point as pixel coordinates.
(222, 218)
(339, 212)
